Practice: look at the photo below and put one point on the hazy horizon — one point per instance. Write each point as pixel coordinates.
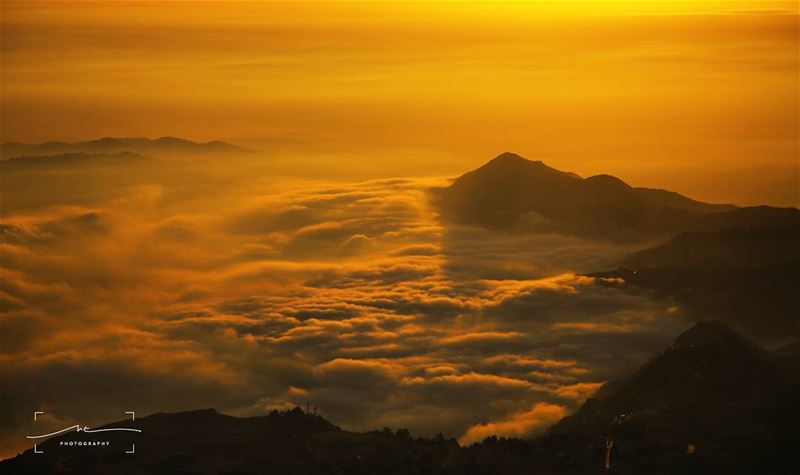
(699, 97)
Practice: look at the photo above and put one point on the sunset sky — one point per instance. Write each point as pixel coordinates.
(697, 96)
(316, 269)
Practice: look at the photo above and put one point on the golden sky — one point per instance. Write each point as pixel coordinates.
(643, 89)
(317, 270)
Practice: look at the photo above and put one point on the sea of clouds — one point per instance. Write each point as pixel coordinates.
(161, 285)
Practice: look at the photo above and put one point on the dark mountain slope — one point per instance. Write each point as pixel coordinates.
(663, 198)
(501, 191)
(751, 217)
(732, 248)
(747, 277)
(712, 393)
(510, 192)
(206, 442)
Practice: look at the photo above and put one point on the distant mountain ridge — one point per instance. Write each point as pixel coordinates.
(119, 144)
(511, 192)
(728, 248)
(745, 276)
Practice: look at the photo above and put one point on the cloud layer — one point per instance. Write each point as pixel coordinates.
(257, 293)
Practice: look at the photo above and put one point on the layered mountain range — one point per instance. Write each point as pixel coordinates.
(740, 265)
(513, 193)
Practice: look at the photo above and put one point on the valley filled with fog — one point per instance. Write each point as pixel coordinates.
(168, 281)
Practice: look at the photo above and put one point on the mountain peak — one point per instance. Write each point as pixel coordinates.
(105, 141)
(707, 333)
(172, 140)
(509, 190)
(510, 162)
(512, 159)
(509, 157)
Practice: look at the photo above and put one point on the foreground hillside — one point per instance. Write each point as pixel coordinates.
(712, 403)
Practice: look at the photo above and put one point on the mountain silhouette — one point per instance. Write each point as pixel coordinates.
(731, 248)
(119, 144)
(206, 442)
(511, 192)
(745, 276)
(711, 403)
